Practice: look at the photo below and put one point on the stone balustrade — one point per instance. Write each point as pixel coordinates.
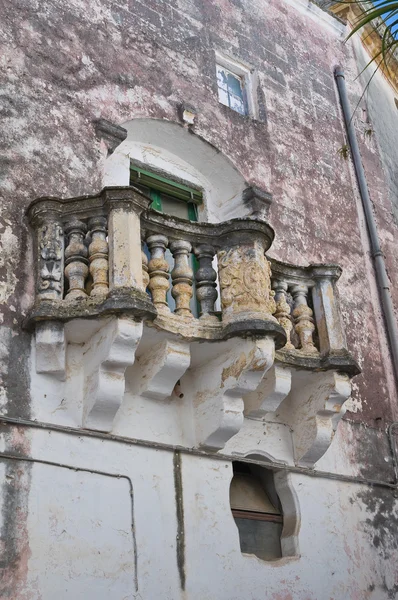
(174, 246)
(307, 307)
(88, 255)
(110, 254)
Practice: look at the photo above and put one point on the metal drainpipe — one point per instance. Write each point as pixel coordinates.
(377, 255)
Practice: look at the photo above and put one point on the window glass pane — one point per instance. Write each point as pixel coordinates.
(230, 90)
(222, 78)
(261, 538)
(237, 104)
(223, 97)
(172, 206)
(235, 85)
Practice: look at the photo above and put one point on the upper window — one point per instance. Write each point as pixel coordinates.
(235, 82)
(257, 511)
(231, 90)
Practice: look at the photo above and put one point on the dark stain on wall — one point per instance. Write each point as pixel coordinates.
(17, 380)
(381, 504)
(180, 536)
(14, 539)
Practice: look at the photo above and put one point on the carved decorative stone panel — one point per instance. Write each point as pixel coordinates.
(51, 254)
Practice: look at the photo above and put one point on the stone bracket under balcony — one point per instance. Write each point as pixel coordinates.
(217, 383)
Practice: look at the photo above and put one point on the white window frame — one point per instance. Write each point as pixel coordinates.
(245, 72)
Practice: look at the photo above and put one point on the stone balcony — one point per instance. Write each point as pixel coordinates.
(130, 335)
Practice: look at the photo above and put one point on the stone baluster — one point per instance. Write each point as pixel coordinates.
(303, 321)
(282, 312)
(145, 276)
(98, 256)
(182, 277)
(158, 269)
(76, 263)
(206, 276)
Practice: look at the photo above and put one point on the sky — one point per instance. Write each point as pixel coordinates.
(395, 30)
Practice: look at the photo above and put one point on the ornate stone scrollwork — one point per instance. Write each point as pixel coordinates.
(51, 252)
(245, 280)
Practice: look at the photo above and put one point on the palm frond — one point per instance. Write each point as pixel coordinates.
(387, 9)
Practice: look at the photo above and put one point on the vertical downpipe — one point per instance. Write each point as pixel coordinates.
(383, 283)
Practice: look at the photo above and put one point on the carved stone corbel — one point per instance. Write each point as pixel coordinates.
(156, 372)
(215, 389)
(257, 201)
(312, 410)
(107, 355)
(51, 349)
(271, 392)
(111, 134)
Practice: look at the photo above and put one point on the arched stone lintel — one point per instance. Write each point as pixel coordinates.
(168, 148)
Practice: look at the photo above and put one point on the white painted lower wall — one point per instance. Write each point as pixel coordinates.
(82, 544)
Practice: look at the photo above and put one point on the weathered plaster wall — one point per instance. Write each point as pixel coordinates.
(85, 546)
(66, 64)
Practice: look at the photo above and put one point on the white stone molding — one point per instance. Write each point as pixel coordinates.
(291, 513)
(106, 357)
(216, 388)
(313, 410)
(155, 373)
(273, 389)
(51, 349)
(262, 440)
(163, 146)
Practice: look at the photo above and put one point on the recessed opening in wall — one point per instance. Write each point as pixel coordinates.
(257, 511)
(231, 90)
(235, 83)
